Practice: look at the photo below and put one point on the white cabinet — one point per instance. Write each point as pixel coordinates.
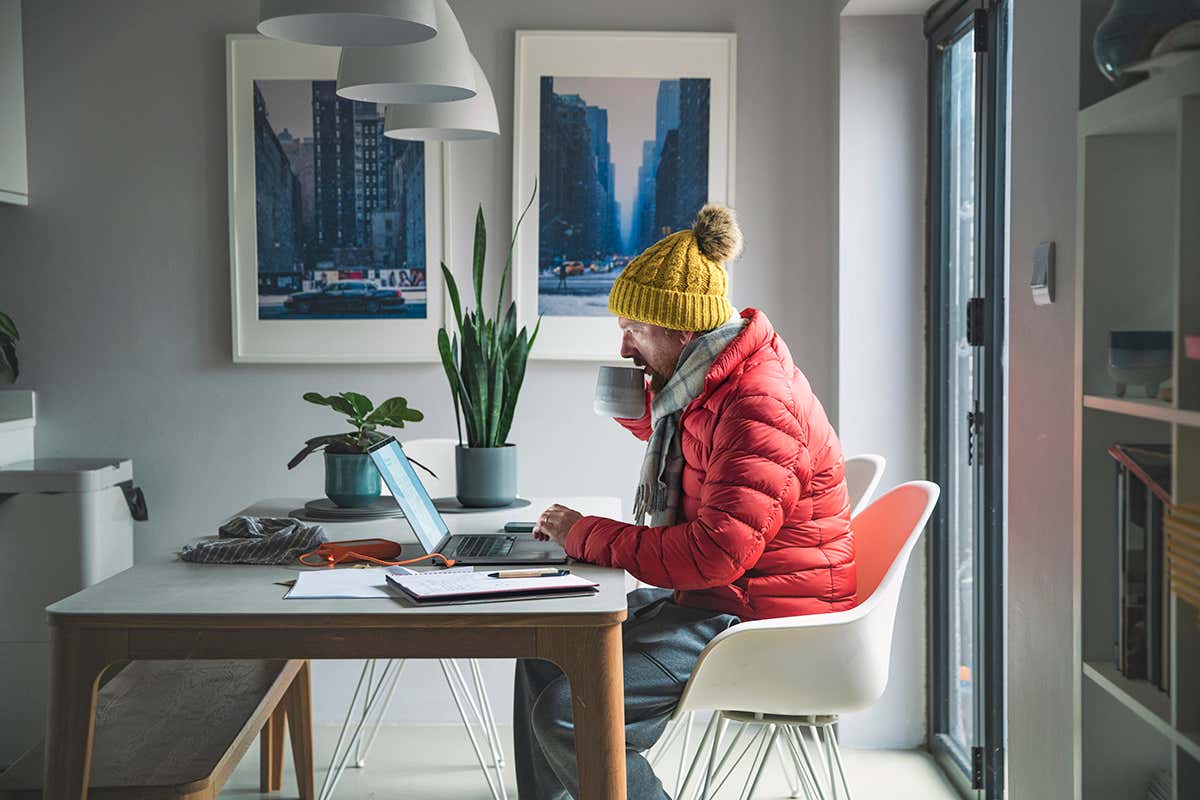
(14, 175)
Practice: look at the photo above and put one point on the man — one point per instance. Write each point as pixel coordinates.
(743, 486)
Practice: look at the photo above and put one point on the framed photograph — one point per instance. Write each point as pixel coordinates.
(628, 134)
(335, 231)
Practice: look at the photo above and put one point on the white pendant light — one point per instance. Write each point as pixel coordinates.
(349, 23)
(463, 120)
(440, 70)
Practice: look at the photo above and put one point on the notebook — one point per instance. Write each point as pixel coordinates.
(443, 587)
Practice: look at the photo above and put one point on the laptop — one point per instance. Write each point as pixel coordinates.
(431, 530)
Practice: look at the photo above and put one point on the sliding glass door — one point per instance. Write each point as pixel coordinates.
(968, 108)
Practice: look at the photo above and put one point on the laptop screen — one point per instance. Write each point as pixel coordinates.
(410, 493)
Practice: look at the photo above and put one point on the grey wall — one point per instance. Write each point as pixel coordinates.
(881, 309)
(1042, 668)
(118, 271)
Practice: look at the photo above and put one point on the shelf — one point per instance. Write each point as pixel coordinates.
(1143, 407)
(1139, 697)
(1190, 743)
(1147, 108)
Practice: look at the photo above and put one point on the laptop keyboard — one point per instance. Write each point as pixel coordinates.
(483, 546)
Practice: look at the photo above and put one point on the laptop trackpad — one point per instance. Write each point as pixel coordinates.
(528, 548)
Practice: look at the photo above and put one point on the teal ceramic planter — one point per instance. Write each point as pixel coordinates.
(351, 479)
(486, 476)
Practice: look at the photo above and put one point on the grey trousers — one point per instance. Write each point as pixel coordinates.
(662, 641)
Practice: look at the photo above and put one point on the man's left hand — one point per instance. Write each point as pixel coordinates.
(555, 523)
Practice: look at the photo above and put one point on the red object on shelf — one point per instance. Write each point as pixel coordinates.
(1191, 346)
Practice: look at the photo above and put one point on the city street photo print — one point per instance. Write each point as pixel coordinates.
(336, 229)
(626, 135)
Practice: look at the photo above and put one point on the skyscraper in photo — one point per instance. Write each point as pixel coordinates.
(333, 169)
(277, 199)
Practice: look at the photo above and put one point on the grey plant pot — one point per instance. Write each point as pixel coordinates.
(351, 479)
(486, 476)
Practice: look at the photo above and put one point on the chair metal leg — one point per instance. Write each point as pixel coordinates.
(674, 728)
(792, 782)
(485, 703)
(683, 754)
(810, 763)
(760, 762)
(808, 779)
(389, 695)
(371, 699)
(682, 784)
(756, 740)
(710, 769)
(457, 691)
(836, 750)
(834, 790)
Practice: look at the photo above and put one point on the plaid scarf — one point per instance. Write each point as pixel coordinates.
(662, 469)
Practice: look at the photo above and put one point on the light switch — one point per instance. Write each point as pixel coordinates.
(1042, 282)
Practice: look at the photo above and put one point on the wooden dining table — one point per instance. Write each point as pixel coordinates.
(169, 609)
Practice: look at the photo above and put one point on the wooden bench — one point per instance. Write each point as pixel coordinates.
(177, 729)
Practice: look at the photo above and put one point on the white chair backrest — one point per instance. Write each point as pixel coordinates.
(438, 455)
(821, 663)
(862, 478)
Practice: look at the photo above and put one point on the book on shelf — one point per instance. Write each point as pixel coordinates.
(1142, 624)
(1182, 528)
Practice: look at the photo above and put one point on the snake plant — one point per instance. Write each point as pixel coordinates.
(485, 359)
(10, 368)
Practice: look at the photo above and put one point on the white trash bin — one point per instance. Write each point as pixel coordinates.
(64, 525)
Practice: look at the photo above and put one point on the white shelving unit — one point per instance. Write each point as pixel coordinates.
(1138, 269)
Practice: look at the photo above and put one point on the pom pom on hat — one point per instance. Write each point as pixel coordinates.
(717, 233)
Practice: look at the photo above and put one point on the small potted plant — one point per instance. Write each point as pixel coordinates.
(485, 365)
(351, 480)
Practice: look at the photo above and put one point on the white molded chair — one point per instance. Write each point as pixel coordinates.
(862, 478)
(379, 679)
(863, 473)
(778, 678)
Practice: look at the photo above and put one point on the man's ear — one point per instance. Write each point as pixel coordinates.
(685, 337)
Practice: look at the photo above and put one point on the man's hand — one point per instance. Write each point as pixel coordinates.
(555, 523)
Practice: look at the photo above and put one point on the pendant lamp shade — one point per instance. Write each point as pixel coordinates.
(440, 70)
(348, 23)
(463, 120)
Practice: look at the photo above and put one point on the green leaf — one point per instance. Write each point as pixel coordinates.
(452, 288)
(477, 266)
(388, 408)
(511, 245)
(450, 367)
(514, 366)
(340, 405)
(8, 359)
(360, 403)
(8, 327)
(508, 331)
(315, 397)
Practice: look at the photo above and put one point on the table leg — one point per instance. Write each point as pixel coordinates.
(78, 657)
(591, 660)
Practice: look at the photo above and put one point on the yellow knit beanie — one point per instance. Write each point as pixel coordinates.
(680, 282)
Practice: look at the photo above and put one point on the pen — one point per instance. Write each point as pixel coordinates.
(529, 573)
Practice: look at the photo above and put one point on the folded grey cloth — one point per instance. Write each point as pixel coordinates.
(256, 540)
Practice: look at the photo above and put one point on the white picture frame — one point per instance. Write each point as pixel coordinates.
(251, 57)
(606, 54)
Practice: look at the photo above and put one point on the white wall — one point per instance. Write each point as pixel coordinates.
(118, 274)
(881, 312)
(1042, 672)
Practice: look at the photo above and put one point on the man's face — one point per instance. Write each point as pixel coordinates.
(654, 349)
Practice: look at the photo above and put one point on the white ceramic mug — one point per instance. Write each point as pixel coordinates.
(620, 392)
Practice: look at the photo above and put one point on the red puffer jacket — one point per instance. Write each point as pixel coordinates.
(766, 518)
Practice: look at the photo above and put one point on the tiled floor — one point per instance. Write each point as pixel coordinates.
(436, 763)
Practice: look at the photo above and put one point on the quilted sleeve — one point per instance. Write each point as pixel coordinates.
(751, 483)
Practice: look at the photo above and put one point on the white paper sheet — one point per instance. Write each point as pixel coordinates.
(354, 584)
